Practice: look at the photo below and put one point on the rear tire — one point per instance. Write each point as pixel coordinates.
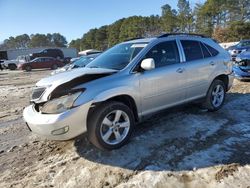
(110, 125)
(215, 96)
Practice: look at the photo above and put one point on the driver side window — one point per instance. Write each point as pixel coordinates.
(165, 53)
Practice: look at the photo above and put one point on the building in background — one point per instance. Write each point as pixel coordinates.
(14, 53)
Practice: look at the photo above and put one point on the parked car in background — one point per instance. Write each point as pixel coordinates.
(74, 59)
(89, 52)
(13, 64)
(242, 46)
(128, 83)
(241, 66)
(55, 53)
(41, 63)
(67, 60)
(1, 64)
(80, 63)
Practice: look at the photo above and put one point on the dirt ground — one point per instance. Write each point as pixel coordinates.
(180, 147)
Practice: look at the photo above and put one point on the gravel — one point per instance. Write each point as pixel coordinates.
(180, 147)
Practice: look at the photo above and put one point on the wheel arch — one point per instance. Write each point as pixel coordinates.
(128, 101)
(224, 78)
(123, 98)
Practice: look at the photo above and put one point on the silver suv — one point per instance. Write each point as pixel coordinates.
(126, 84)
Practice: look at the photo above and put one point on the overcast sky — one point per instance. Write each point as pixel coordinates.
(71, 18)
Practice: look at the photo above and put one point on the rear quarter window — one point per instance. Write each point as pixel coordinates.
(213, 51)
(192, 50)
(205, 51)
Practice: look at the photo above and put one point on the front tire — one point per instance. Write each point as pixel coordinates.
(12, 67)
(110, 125)
(216, 96)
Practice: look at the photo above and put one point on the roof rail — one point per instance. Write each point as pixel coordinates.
(187, 34)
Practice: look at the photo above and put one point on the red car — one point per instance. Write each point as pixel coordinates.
(41, 63)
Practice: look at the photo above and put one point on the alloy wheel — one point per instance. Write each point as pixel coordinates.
(218, 95)
(115, 127)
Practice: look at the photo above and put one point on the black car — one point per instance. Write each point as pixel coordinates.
(56, 53)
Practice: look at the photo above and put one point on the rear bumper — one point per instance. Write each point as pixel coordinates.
(62, 126)
(230, 81)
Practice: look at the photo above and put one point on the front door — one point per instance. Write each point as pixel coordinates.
(36, 63)
(163, 86)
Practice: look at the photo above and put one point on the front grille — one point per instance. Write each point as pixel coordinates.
(37, 92)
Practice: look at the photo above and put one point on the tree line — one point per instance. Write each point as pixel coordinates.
(224, 20)
(34, 40)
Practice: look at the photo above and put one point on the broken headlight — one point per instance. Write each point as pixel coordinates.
(59, 105)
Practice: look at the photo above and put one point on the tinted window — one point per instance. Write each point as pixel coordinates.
(213, 51)
(165, 53)
(192, 50)
(205, 51)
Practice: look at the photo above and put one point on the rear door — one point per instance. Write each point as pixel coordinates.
(163, 86)
(199, 65)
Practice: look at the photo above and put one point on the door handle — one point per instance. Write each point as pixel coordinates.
(212, 63)
(180, 70)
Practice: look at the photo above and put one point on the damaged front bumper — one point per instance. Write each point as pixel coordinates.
(241, 74)
(64, 126)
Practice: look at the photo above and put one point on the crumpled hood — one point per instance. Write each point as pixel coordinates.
(67, 76)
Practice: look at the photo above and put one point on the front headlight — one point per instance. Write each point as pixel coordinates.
(57, 106)
(238, 59)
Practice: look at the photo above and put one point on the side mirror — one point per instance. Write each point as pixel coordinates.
(148, 64)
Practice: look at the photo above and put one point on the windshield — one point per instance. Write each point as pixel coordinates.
(117, 57)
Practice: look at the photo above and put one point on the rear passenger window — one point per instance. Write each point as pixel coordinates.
(165, 53)
(205, 51)
(213, 51)
(192, 50)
